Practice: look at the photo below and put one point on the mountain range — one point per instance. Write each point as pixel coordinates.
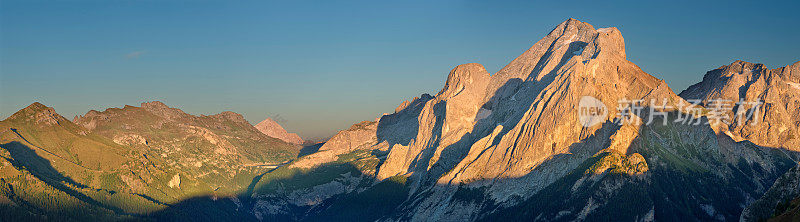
(513, 145)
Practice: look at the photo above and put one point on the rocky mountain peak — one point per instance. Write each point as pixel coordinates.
(154, 105)
(160, 109)
(572, 39)
(582, 33)
(406, 103)
(402, 106)
(483, 127)
(774, 93)
(232, 116)
(91, 113)
(570, 24)
(39, 114)
(791, 73)
(271, 128)
(471, 76)
(36, 106)
(740, 67)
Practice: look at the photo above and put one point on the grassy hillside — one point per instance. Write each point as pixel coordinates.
(216, 154)
(53, 169)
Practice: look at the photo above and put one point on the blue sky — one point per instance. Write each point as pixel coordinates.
(322, 66)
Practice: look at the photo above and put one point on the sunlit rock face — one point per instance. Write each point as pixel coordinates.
(527, 110)
(498, 130)
(773, 121)
(502, 145)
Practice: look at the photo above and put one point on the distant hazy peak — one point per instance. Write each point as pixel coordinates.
(271, 128)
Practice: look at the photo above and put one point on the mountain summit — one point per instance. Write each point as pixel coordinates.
(271, 128)
(38, 113)
(527, 134)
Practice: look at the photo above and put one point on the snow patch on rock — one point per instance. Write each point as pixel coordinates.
(794, 85)
(604, 30)
(570, 40)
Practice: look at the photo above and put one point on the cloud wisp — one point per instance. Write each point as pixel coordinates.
(135, 55)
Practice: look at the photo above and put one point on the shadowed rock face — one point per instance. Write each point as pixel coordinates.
(783, 191)
(271, 128)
